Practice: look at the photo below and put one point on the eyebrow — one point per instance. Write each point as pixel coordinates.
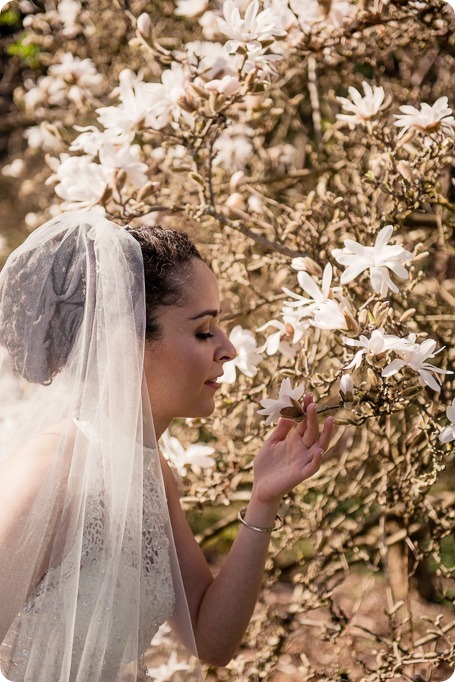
(206, 313)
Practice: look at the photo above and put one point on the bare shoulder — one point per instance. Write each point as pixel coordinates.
(26, 468)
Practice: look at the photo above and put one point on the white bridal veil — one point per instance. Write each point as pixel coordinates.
(88, 567)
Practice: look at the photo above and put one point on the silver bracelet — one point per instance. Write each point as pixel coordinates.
(241, 518)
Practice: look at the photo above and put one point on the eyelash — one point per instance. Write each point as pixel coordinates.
(204, 336)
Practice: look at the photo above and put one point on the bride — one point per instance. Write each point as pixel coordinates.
(115, 332)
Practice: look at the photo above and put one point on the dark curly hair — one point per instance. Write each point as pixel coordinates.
(40, 346)
(166, 255)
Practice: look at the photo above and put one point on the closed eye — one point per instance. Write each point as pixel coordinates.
(204, 335)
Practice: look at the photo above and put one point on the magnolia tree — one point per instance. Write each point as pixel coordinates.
(308, 148)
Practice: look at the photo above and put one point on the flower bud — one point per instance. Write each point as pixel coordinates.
(404, 170)
(106, 195)
(197, 178)
(228, 85)
(120, 177)
(235, 200)
(186, 103)
(407, 314)
(144, 25)
(411, 391)
(351, 322)
(198, 86)
(216, 102)
(147, 190)
(346, 388)
(298, 264)
(236, 179)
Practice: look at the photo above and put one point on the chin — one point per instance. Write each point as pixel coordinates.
(198, 413)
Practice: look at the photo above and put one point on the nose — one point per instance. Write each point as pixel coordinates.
(226, 350)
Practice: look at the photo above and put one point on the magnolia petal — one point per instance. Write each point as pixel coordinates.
(427, 347)
(447, 434)
(383, 237)
(392, 368)
(273, 343)
(352, 272)
(429, 379)
(398, 269)
(356, 360)
(229, 374)
(326, 280)
(356, 248)
(309, 286)
(376, 280)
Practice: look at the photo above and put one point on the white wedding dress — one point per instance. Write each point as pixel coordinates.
(157, 592)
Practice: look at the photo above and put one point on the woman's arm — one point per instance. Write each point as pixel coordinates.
(26, 539)
(221, 608)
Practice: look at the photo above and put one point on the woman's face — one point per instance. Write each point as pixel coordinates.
(182, 367)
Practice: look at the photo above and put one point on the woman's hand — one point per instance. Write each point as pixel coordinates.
(290, 455)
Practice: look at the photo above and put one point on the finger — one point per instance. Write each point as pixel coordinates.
(314, 465)
(307, 400)
(281, 430)
(301, 428)
(327, 433)
(311, 433)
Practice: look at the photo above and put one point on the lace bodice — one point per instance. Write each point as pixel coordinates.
(157, 592)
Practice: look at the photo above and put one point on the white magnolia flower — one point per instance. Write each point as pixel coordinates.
(428, 119)
(329, 315)
(48, 90)
(362, 108)
(91, 140)
(325, 312)
(137, 108)
(74, 70)
(290, 331)
(415, 356)
(164, 673)
(68, 13)
(317, 294)
(379, 342)
(247, 355)
(190, 8)
(210, 59)
(114, 158)
(196, 456)
(312, 12)
(82, 182)
(448, 433)
(272, 408)
(261, 62)
(14, 169)
(145, 105)
(38, 137)
(252, 30)
(233, 148)
(284, 16)
(378, 259)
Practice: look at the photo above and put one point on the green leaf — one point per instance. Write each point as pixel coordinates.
(10, 17)
(27, 52)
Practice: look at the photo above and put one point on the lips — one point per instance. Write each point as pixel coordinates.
(213, 382)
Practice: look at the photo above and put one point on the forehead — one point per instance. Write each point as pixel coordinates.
(200, 287)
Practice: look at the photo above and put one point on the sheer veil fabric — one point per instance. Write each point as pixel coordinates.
(93, 573)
